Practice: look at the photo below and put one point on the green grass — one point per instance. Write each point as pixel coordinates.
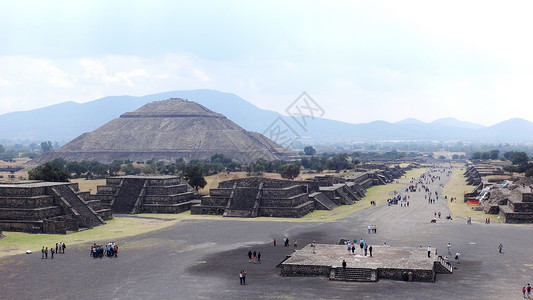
(457, 187)
(18, 242)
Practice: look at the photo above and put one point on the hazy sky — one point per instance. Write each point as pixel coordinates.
(360, 60)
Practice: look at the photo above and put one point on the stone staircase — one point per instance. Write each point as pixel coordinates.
(127, 195)
(66, 192)
(353, 274)
(322, 201)
(441, 267)
(242, 203)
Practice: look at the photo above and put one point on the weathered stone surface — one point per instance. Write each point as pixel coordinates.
(151, 194)
(48, 207)
(167, 130)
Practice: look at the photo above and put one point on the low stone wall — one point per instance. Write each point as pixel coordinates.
(161, 208)
(304, 270)
(32, 202)
(207, 210)
(399, 274)
(287, 212)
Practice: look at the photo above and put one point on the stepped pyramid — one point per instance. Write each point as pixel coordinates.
(166, 130)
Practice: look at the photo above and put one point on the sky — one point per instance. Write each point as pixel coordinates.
(359, 60)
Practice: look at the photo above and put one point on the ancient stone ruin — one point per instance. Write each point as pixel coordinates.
(147, 194)
(513, 200)
(257, 196)
(167, 130)
(393, 263)
(48, 207)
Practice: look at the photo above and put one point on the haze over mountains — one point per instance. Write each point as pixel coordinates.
(66, 121)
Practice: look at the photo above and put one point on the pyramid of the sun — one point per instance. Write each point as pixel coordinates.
(167, 130)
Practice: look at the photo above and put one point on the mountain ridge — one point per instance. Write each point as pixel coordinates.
(65, 121)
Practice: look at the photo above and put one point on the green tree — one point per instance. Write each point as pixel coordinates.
(48, 172)
(76, 167)
(46, 146)
(194, 176)
(309, 150)
(520, 158)
(290, 171)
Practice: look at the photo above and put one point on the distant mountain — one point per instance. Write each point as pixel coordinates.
(453, 122)
(66, 121)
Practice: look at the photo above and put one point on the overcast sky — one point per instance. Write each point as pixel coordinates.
(360, 60)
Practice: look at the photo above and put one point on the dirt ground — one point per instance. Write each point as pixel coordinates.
(201, 259)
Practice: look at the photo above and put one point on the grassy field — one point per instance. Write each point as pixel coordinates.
(17, 242)
(457, 187)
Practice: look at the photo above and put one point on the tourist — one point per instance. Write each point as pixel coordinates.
(353, 249)
(528, 288)
(524, 292)
(274, 242)
(366, 248)
(439, 214)
(370, 250)
(259, 257)
(344, 265)
(449, 246)
(46, 252)
(249, 256)
(429, 251)
(42, 253)
(375, 229)
(241, 276)
(295, 244)
(255, 257)
(500, 247)
(52, 252)
(361, 245)
(313, 246)
(63, 246)
(457, 257)
(57, 247)
(369, 227)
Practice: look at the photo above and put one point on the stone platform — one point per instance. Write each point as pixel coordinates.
(386, 263)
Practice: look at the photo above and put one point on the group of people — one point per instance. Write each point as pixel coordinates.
(365, 248)
(254, 256)
(60, 248)
(527, 289)
(109, 250)
(372, 229)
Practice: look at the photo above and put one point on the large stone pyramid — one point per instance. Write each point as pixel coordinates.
(166, 130)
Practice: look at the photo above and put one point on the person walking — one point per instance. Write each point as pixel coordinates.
(524, 292)
(42, 253)
(500, 247)
(429, 251)
(255, 257)
(457, 257)
(344, 265)
(241, 278)
(369, 227)
(528, 288)
(57, 247)
(449, 246)
(63, 246)
(295, 244)
(259, 257)
(370, 250)
(52, 252)
(274, 242)
(249, 256)
(46, 252)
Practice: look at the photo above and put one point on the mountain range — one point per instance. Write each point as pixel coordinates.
(66, 121)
